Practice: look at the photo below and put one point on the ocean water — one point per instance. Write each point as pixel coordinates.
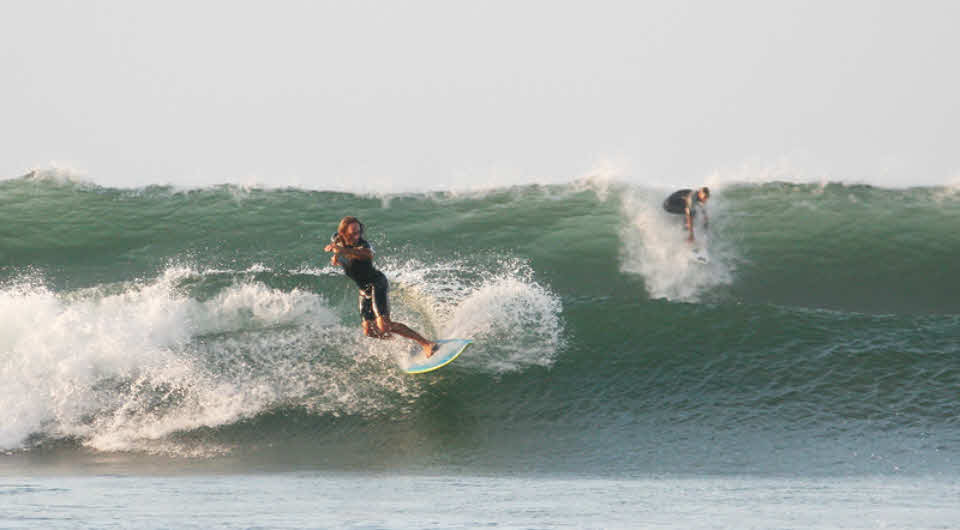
(187, 358)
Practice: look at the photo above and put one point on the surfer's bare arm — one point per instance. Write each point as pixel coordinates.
(689, 220)
(360, 253)
(333, 258)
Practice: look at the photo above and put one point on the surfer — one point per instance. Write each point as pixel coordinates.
(355, 255)
(686, 203)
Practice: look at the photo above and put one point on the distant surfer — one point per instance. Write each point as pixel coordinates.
(355, 255)
(687, 203)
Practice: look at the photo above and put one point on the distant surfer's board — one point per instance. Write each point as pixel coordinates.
(699, 255)
(449, 350)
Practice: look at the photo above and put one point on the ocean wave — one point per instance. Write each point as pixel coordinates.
(127, 366)
(139, 321)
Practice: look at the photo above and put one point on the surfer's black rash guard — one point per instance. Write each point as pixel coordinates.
(361, 271)
(372, 283)
(679, 201)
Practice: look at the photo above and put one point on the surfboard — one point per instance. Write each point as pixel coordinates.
(449, 350)
(699, 255)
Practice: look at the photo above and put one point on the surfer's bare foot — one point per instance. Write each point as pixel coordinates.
(430, 349)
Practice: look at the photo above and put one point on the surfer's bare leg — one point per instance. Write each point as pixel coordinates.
(386, 326)
(371, 330)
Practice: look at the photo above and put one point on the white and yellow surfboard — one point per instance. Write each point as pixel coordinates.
(449, 350)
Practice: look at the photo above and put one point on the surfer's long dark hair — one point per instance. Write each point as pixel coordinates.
(342, 228)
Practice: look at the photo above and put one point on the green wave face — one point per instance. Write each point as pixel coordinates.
(209, 322)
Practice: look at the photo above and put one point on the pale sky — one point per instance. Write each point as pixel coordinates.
(431, 94)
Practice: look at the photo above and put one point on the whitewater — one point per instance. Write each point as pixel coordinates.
(201, 330)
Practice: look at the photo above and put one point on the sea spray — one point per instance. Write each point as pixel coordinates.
(118, 365)
(515, 321)
(125, 366)
(655, 246)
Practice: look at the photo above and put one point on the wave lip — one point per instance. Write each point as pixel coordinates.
(602, 175)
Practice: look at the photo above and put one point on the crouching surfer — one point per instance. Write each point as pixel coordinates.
(687, 203)
(352, 252)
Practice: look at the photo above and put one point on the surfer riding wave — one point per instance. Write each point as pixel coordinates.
(352, 252)
(687, 203)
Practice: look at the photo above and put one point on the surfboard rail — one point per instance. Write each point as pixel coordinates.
(449, 350)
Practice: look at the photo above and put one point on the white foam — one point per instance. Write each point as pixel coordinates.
(514, 321)
(518, 320)
(950, 192)
(601, 177)
(121, 367)
(60, 174)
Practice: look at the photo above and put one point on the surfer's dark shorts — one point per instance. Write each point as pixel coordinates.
(373, 300)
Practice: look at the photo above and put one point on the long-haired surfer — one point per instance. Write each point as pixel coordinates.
(352, 252)
(688, 203)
